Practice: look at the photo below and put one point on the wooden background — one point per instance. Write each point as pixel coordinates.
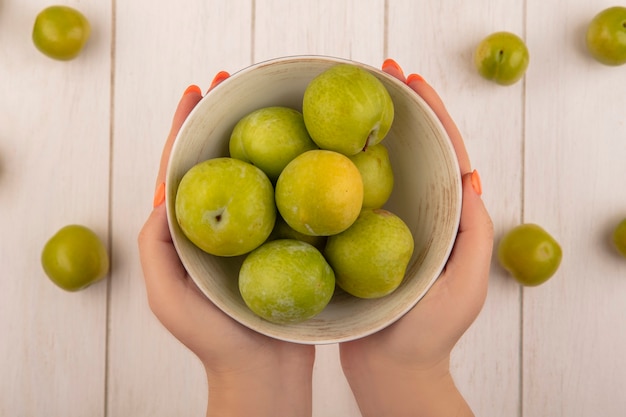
(80, 143)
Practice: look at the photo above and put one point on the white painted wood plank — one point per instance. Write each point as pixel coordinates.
(352, 29)
(436, 40)
(574, 332)
(54, 170)
(157, 55)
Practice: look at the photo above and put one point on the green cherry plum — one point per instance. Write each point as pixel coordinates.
(269, 138)
(377, 174)
(370, 258)
(75, 258)
(606, 36)
(346, 109)
(225, 206)
(530, 254)
(619, 237)
(319, 193)
(286, 281)
(502, 57)
(60, 32)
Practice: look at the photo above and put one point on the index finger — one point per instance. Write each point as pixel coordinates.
(190, 98)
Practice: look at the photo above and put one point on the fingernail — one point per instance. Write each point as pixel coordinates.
(219, 77)
(159, 195)
(414, 77)
(476, 183)
(192, 89)
(390, 63)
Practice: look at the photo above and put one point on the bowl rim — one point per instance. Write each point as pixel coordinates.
(458, 189)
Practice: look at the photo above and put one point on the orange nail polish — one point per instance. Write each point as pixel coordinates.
(390, 63)
(192, 89)
(159, 195)
(476, 182)
(219, 77)
(414, 77)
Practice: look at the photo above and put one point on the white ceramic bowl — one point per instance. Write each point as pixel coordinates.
(427, 195)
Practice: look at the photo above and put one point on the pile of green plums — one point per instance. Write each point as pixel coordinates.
(301, 197)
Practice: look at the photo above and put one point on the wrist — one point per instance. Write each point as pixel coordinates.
(265, 391)
(399, 391)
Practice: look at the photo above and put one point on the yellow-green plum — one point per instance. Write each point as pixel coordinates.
(286, 281)
(530, 254)
(370, 257)
(60, 32)
(619, 237)
(270, 138)
(502, 57)
(606, 36)
(225, 206)
(377, 174)
(346, 108)
(319, 193)
(75, 258)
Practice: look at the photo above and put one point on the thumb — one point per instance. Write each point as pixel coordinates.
(164, 274)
